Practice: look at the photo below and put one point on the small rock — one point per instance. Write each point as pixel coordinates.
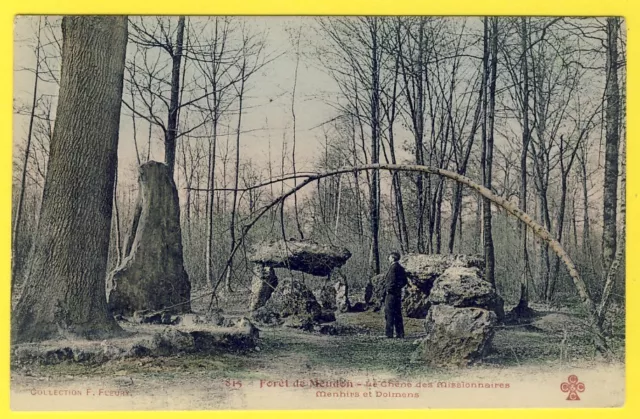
(266, 316)
(327, 329)
(358, 307)
(299, 322)
(171, 341)
(120, 318)
(248, 327)
(215, 317)
(326, 316)
(124, 381)
(227, 322)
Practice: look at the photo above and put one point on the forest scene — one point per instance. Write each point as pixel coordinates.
(238, 212)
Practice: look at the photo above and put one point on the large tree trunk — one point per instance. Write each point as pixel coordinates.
(174, 105)
(488, 150)
(620, 252)
(523, 304)
(65, 290)
(612, 95)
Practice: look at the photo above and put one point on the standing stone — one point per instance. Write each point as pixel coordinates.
(152, 275)
(263, 282)
(342, 297)
(415, 303)
(368, 293)
(292, 298)
(456, 336)
(327, 298)
(376, 302)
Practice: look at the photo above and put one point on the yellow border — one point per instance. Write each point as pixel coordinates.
(624, 8)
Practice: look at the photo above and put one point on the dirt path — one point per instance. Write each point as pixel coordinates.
(294, 369)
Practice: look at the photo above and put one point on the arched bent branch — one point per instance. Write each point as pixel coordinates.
(512, 209)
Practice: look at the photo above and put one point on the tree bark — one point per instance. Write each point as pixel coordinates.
(620, 252)
(174, 105)
(374, 196)
(293, 145)
(612, 95)
(523, 303)
(232, 223)
(488, 147)
(457, 196)
(64, 294)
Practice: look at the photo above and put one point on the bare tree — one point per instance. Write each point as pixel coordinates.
(612, 97)
(490, 71)
(16, 259)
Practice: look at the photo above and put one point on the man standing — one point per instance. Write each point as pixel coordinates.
(395, 280)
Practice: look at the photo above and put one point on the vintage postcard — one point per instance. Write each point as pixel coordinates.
(318, 212)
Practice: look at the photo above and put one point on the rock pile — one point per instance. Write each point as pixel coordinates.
(462, 310)
(422, 272)
(293, 303)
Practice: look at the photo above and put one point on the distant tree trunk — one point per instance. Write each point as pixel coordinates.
(586, 225)
(478, 224)
(293, 116)
(64, 295)
(612, 95)
(337, 224)
(396, 181)
(620, 252)
(356, 180)
(210, 198)
(116, 213)
(523, 304)
(17, 258)
(545, 264)
(560, 221)
(457, 195)
(487, 156)
(374, 196)
(174, 105)
(419, 134)
(189, 181)
(232, 223)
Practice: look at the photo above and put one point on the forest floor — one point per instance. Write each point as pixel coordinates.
(527, 366)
